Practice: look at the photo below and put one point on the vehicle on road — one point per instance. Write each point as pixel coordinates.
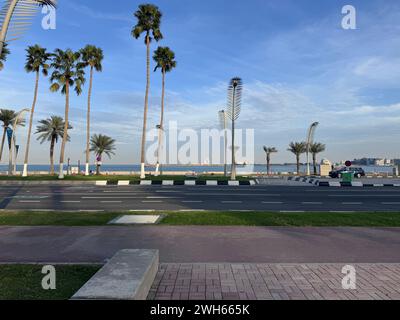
(358, 172)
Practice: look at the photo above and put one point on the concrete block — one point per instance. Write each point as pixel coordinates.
(335, 184)
(168, 182)
(145, 182)
(129, 275)
(101, 183)
(136, 219)
(190, 182)
(357, 184)
(123, 182)
(233, 183)
(212, 182)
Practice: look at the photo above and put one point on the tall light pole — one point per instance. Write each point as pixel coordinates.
(16, 121)
(23, 11)
(310, 138)
(223, 123)
(233, 112)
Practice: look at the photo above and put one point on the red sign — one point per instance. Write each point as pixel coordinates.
(348, 163)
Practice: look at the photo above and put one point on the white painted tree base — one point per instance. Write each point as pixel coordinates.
(142, 171)
(87, 169)
(25, 172)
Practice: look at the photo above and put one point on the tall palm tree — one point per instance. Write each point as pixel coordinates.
(68, 73)
(100, 144)
(51, 129)
(18, 13)
(92, 56)
(36, 61)
(165, 59)
(148, 22)
(269, 152)
(298, 148)
(7, 117)
(3, 56)
(315, 149)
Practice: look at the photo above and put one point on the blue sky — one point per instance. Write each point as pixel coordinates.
(297, 63)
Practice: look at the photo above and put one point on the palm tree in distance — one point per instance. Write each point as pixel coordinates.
(269, 152)
(51, 129)
(165, 59)
(315, 149)
(36, 61)
(100, 144)
(298, 148)
(3, 56)
(7, 117)
(68, 73)
(148, 21)
(91, 56)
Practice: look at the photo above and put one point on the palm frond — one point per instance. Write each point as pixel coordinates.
(234, 98)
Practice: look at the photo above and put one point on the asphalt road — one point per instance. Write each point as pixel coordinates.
(191, 244)
(268, 198)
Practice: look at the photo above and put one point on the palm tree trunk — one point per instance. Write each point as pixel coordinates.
(64, 140)
(6, 23)
(315, 164)
(161, 130)
(97, 169)
(52, 144)
(88, 124)
(28, 142)
(268, 165)
(233, 173)
(298, 164)
(2, 142)
(146, 105)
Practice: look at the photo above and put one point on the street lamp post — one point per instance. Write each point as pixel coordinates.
(310, 138)
(222, 119)
(16, 121)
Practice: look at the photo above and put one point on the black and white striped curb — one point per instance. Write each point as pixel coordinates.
(174, 183)
(317, 182)
(313, 181)
(356, 184)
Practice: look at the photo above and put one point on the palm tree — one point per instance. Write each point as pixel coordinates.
(3, 56)
(36, 61)
(298, 148)
(315, 149)
(91, 56)
(68, 72)
(165, 59)
(148, 21)
(51, 129)
(269, 152)
(7, 117)
(100, 144)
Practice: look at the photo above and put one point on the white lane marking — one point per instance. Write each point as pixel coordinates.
(192, 201)
(342, 211)
(311, 203)
(70, 201)
(111, 201)
(91, 210)
(152, 201)
(27, 201)
(167, 191)
(151, 197)
(352, 203)
(191, 210)
(231, 201)
(143, 210)
(271, 202)
(291, 211)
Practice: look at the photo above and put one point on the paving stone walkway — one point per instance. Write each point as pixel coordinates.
(274, 282)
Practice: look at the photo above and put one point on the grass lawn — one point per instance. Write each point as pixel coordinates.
(120, 177)
(312, 219)
(23, 282)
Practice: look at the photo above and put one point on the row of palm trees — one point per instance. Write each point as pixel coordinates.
(68, 73)
(297, 148)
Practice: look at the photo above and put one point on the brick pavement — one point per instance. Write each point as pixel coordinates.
(176, 281)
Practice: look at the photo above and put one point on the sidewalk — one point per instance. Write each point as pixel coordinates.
(274, 282)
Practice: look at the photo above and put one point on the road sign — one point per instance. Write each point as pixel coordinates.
(348, 163)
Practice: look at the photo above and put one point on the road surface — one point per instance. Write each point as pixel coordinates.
(260, 198)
